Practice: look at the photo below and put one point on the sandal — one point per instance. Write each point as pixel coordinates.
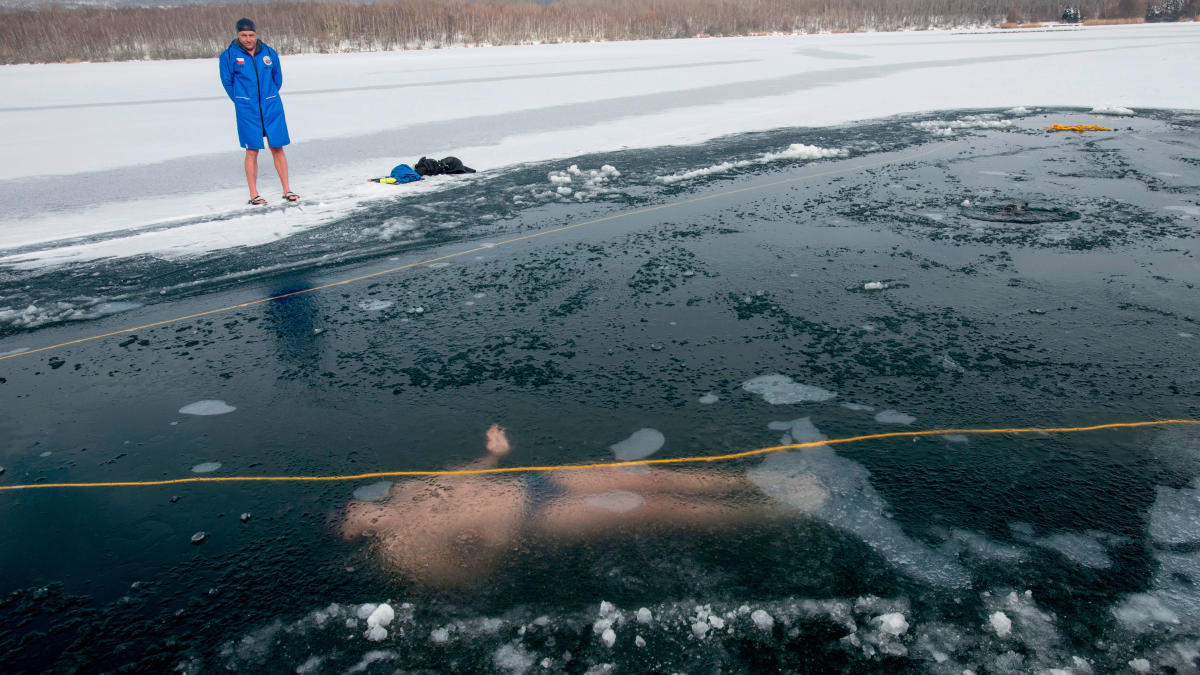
(256, 200)
(291, 196)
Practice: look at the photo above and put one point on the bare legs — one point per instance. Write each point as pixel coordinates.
(281, 168)
(252, 172)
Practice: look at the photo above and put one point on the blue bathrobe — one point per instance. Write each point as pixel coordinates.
(252, 82)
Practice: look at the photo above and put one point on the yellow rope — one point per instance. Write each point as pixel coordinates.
(602, 465)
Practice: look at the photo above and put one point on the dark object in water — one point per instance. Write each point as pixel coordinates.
(1018, 213)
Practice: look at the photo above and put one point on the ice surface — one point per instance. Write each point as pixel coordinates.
(858, 407)
(1139, 665)
(620, 501)
(837, 490)
(645, 616)
(439, 635)
(513, 658)
(206, 467)
(794, 151)
(782, 390)
(948, 127)
(207, 407)
(373, 492)
(641, 444)
(894, 417)
(956, 438)
(709, 398)
(875, 285)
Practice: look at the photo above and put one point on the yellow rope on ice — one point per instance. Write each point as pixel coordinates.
(601, 465)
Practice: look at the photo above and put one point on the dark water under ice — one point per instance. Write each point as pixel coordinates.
(863, 282)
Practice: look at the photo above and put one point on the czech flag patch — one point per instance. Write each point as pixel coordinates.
(241, 62)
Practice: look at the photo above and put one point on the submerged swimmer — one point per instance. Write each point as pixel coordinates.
(455, 530)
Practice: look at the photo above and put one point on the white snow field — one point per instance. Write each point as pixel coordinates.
(149, 149)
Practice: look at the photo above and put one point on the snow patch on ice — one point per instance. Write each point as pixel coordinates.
(1141, 612)
(375, 305)
(764, 621)
(782, 390)
(641, 444)
(207, 407)
(373, 492)
(1001, 624)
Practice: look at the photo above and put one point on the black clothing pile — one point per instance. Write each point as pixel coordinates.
(427, 166)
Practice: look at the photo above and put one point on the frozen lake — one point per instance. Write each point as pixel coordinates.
(775, 284)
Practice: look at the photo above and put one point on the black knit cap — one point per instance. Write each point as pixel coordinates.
(245, 24)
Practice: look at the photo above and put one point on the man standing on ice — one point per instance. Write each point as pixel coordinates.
(251, 74)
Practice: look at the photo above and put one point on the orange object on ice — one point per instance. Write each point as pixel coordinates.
(1078, 128)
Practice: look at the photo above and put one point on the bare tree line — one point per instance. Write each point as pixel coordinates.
(55, 34)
